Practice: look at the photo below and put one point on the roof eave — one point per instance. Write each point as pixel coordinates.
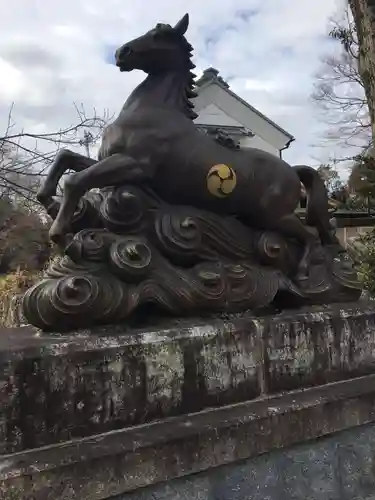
(291, 138)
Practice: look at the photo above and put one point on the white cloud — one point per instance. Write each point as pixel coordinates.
(12, 84)
(55, 53)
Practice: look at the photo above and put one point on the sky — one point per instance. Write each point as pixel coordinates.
(57, 53)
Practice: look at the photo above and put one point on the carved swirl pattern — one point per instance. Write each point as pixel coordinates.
(93, 244)
(178, 235)
(124, 209)
(137, 250)
(131, 259)
(76, 301)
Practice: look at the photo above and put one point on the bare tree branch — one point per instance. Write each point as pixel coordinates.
(339, 91)
(26, 156)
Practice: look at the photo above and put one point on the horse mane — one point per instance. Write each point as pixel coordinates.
(190, 92)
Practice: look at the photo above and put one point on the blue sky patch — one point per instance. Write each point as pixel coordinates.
(109, 54)
(286, 51)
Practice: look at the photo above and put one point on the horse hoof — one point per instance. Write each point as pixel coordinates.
(57, 236)
(44, 196)
(302, 275)
(300, 278)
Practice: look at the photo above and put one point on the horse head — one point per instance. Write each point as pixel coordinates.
(164, 48)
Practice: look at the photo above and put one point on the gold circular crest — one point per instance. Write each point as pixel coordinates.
(221, 180)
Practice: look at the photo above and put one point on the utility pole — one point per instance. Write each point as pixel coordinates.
(87, 140)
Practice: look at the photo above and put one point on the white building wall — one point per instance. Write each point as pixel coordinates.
(214, 94)
(259, 143)
(213, 115)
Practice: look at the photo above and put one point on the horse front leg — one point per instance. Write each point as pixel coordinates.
(114, 170)
(64, 160)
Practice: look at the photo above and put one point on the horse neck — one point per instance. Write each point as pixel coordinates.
(165, 90)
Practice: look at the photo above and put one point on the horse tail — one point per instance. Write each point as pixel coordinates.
(317, 213)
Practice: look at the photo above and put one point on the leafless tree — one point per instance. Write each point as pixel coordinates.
(339, 91)
(25, 157)
(330, 176)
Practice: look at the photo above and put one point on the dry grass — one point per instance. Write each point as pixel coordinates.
(12, 286)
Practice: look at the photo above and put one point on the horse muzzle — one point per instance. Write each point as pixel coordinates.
(124, 58)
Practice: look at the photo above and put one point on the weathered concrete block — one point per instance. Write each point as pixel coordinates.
(55, 388)
(154, 455)
(337, 467)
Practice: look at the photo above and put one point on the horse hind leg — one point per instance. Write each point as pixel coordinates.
(291, 226)
(65, 160)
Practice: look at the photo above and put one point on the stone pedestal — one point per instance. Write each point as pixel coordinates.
(103, 412)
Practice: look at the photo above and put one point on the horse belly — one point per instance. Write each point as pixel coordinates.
(186, 181)
(265, 186)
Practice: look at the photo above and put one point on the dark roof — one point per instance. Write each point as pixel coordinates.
(211, 75)
(229, 129)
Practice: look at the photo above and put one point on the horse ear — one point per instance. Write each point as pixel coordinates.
(182, 25)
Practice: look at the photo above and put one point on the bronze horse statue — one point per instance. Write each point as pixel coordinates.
(154, 142)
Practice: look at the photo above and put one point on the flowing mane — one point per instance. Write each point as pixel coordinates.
(189, 92)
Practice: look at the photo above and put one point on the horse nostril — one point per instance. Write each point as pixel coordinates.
(122, 53)
(125, 51)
